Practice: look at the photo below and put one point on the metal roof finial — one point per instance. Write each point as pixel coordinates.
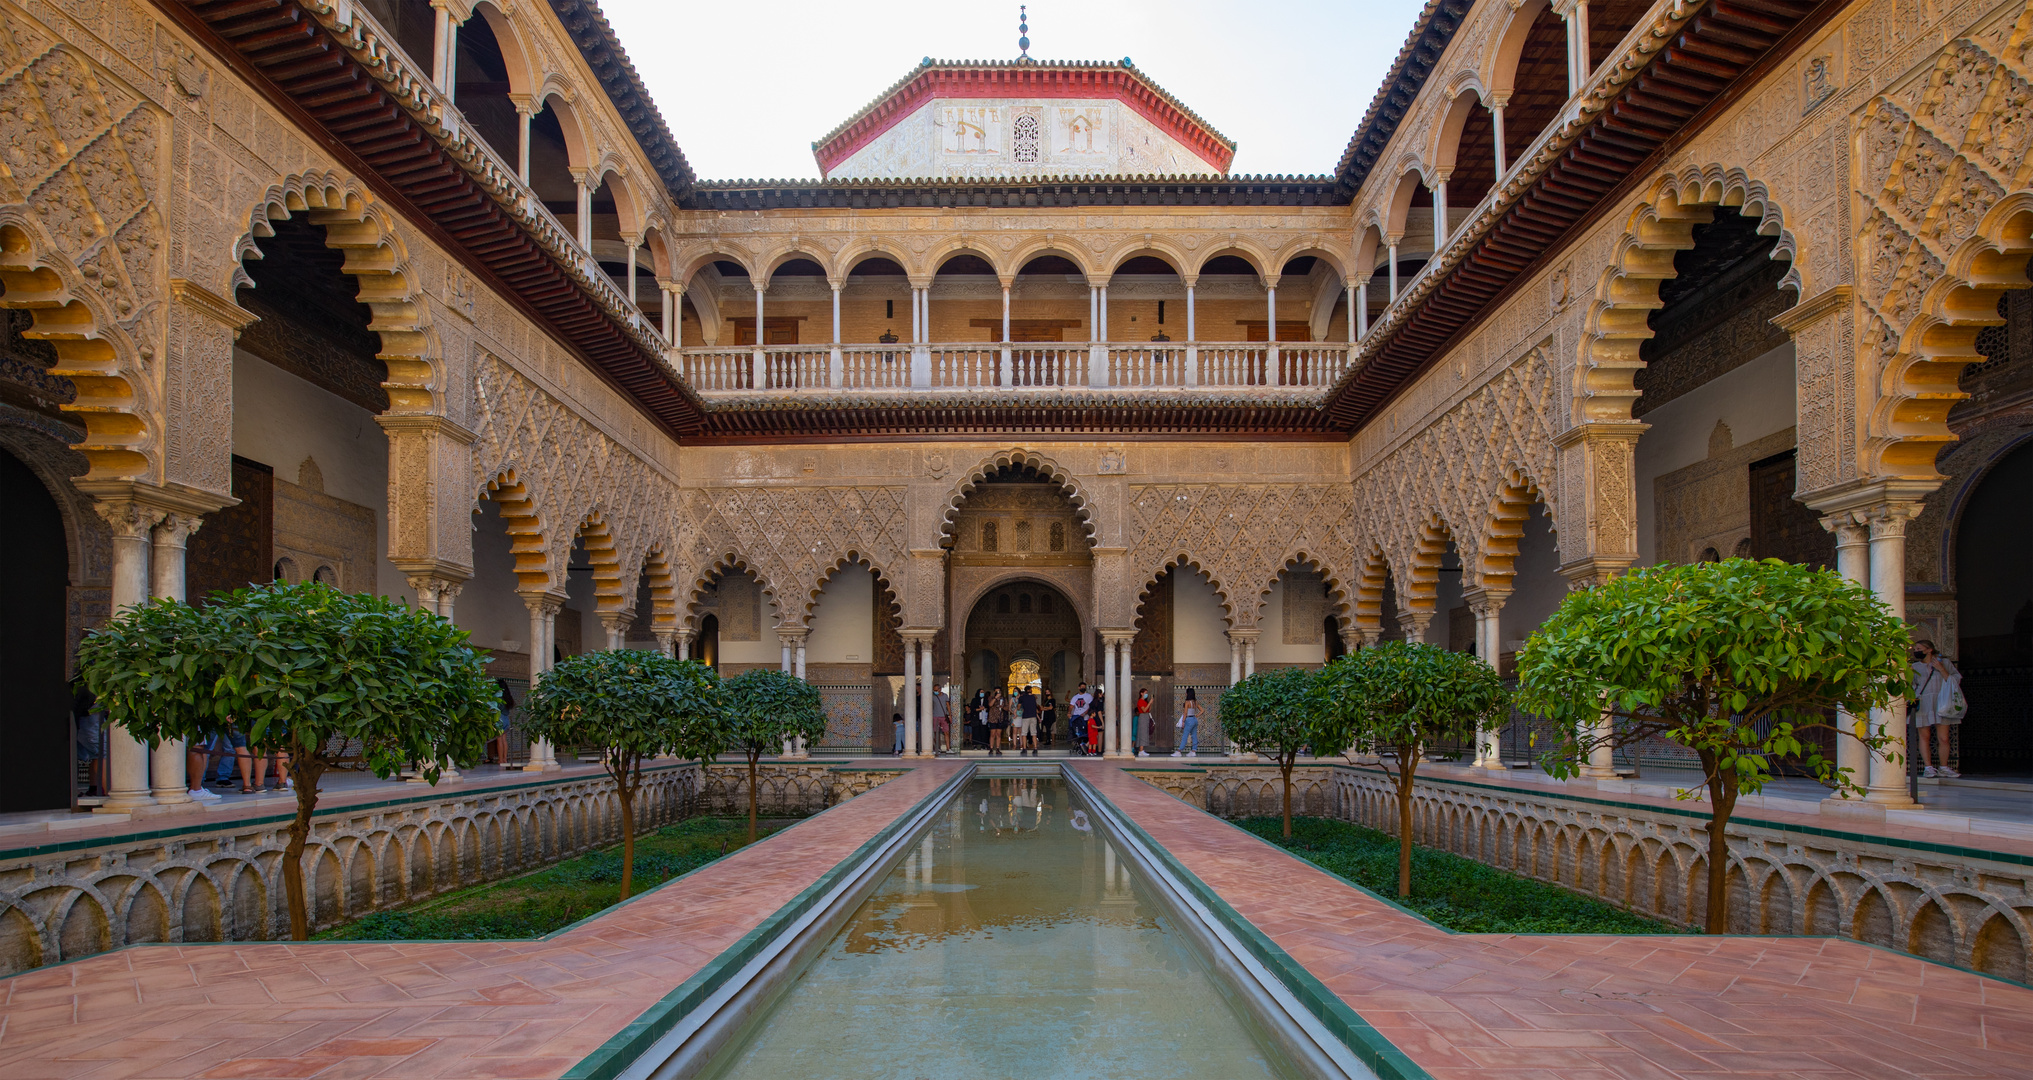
(1023, 31)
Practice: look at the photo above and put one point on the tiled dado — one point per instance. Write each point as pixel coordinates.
(1904, 888)
(1589, 1007)
(417, 1010)
(208, 879)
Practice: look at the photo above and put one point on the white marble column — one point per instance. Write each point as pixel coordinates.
(126, 756)
(682, 644)
(1362, 309)
(759, 359)
(1126, 708)
(928, 725)
(524, 111)
(1496, 117)
(616, 623)
(543, 629)
(1110, 747)
(1488, 605)
(169, 782)
(1242, 646)
(584, 224)
(1234, 657)
(1888, 580)
(1440, 214)
(1852, 561)
(1393, 255)
(910, 696)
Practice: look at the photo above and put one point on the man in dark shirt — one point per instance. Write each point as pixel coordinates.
(1027, 722)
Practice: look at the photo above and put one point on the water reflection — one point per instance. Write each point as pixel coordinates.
(1011, 941)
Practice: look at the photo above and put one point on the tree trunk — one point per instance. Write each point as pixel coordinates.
(1722, 801)
(305, 771)
(1286, 768)
(627, 793)
(752, 756)
(1407, 767)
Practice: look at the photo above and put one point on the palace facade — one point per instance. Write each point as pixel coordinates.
(424, 299)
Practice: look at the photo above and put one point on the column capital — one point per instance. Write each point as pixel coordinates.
(175, 529)
(1813, 309)
(1118, 637)
(1242, 634)
(917, 636)
(1486, 600)
(435, 588)
(543, 603)
(791, 635)
(432, 570)
(1594, 570)
(1414, 623)
(1497, 99)
(129, 520)
(1866, 500)
(426, 424)
(617, 621)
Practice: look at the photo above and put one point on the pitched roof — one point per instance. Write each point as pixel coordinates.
(933, 79)
(597, 42)
(1429, 37)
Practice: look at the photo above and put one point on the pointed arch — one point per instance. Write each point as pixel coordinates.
(885, 584)
(1372, 572)
(658, 569)
(610, 594)
(1181, 560)
(378, 261)
(1628, 291)
(1017, 458)
(723, 561)
(1339, 600)
(1418, 589)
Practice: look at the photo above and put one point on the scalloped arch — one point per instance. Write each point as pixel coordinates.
(377, 260)
(114, 396)
(1340, 600)
(856, 557)
(1182, 559)
(1917, 384)
(1017, 459)
(1628, 291)
(722, 563)
(1504, 528)
(525, 528)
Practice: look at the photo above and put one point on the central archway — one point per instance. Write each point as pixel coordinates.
(1023, 629)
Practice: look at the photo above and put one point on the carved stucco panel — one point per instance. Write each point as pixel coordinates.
(793, 537)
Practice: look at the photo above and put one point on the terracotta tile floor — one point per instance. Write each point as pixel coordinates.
(1578, 1008)
(361, 1009)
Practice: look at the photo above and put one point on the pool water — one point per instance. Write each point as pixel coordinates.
(1012, 941)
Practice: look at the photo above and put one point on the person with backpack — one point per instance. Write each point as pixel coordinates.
(1076, 726)
(1938, 705)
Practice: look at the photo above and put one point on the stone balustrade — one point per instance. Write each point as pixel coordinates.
(223, 882)
(1241, 366)
(1958, 905)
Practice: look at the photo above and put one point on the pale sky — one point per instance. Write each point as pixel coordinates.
(746, 87)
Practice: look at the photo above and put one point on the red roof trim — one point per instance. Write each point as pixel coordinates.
(1040, 82)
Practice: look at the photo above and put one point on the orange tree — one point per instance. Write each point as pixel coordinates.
(1402, 698)
(1274, 713)
(765, 708)
(303, 670)
(633, 705)
(1734, 660)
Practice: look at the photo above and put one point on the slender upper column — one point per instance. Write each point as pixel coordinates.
(1440, 214)
(1394, 269)
(525, 110)
(1496, 117)
(585, 211)
(1361, 309)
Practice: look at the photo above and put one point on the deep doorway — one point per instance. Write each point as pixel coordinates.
(33, 630)
(1024, 633)
(1994, 608)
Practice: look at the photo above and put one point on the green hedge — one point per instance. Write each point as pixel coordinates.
(555, 897)
(1459, 894)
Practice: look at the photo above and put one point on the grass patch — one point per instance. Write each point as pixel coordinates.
(536, 904)
(1459, 894)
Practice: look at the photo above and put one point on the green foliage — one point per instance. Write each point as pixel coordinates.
(1272, 713)
(630, 703)
(1733, 660)
(553, 898)
(1402, 698)
(299, 669)
(1705, 655)
(294, 666)
(766, 706)
(1460, 894)
(1405, 696)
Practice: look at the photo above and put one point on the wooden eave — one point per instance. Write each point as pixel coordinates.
(284, 52)
(1721, 48)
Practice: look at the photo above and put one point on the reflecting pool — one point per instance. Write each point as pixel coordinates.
(1011, 942)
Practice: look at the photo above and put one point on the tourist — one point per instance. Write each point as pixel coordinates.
(1027, 723)
(897, 726)
(498, 745)
(1140, 724)
(1189, 726)
(1933, 676)
(1076, 730)
(977, 716)
(90, 738)
(1097, 715)
(1048, 715)
(998, 722)
(198, 759)
(942, 724)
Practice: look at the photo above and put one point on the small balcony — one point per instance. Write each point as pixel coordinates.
(1241, 368)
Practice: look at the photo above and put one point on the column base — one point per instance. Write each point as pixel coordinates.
(1242, 755)
(1892, 799)
(171, 797)
(124, 804)
(1493, 765)
(1595, 772)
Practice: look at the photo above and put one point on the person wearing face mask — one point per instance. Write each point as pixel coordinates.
(1937, 688)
